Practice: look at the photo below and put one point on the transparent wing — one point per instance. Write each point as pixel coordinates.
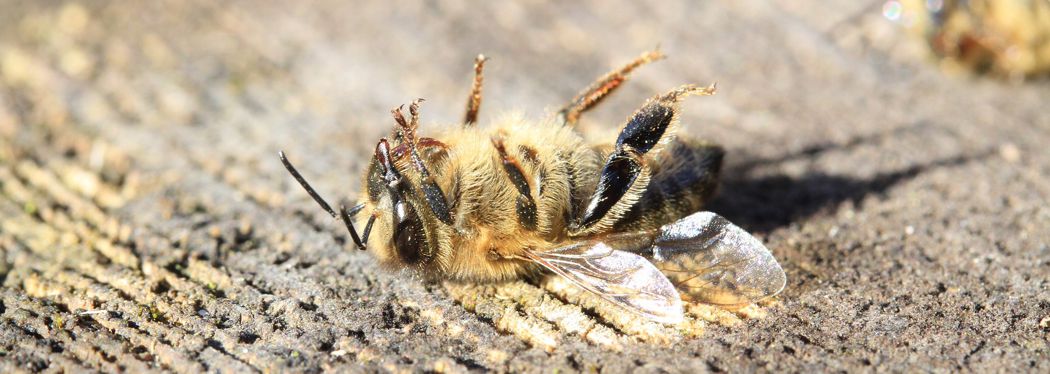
(713, 261)
(624, 278)
(704, 256)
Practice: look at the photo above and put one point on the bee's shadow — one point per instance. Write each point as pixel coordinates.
(768, 202)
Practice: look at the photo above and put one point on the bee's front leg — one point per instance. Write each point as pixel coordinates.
(626, 174)
(435, 197)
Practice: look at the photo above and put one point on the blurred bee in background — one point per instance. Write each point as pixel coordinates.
(523, 197)
(1008, 38)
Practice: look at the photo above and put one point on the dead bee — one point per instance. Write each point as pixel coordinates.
(510, 201)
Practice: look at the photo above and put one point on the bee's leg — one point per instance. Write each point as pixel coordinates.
(474, 101)
(358, 240)
(626, 173)
(431, 191)
(344, 213)
(525, 205)
(684, 179)
(602, 87)
(423, 143)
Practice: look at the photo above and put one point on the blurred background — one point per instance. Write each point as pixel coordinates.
(892, 154)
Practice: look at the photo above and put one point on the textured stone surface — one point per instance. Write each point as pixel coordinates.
(147, 225)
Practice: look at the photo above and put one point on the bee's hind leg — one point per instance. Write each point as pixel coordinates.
(626, 172)
(602, 87)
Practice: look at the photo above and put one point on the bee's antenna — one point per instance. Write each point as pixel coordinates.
(345, 214)
(358, 240)
(356, 208)
(368, 228)
(306, 185)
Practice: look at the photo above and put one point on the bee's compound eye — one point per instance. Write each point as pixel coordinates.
(376, 183)
(409, 237)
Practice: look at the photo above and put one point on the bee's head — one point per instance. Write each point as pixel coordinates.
(403, 235)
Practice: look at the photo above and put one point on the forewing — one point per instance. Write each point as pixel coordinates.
(624, 278)
(714, 261)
